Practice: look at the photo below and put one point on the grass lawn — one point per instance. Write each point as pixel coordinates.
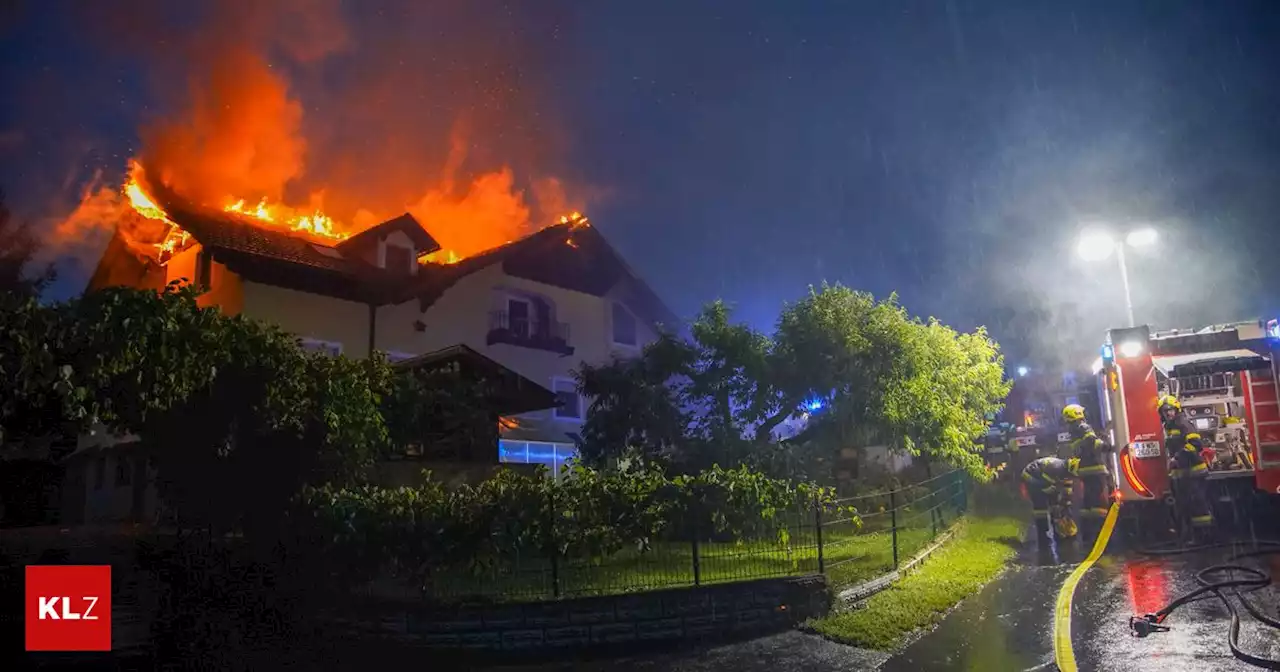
(983, 546)
(849, 556)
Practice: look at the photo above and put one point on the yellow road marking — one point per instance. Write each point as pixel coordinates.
(1062, 651)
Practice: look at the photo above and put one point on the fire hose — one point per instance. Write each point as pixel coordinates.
(1219, 581)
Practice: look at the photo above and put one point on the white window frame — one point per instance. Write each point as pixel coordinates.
(556, 382)
(331, 348)
(613, 331)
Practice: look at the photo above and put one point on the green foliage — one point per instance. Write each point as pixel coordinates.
(236, 416)
(439, 412)
(425, 532)
(721, 396)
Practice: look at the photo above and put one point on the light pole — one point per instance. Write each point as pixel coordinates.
(1095, 246)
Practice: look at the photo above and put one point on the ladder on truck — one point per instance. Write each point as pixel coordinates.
(1264, 405)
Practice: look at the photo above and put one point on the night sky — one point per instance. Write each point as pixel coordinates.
(949, 150)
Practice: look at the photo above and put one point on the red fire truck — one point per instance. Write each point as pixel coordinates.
(1226, 378)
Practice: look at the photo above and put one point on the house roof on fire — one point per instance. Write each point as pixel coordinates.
(565, 255)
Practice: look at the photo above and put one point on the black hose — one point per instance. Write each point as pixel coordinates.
(1253, 579)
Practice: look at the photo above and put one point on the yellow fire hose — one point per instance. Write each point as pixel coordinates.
(1062, 651)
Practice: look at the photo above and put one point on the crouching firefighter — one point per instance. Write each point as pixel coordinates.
(1094, 454)
(1049, 481)
(1187, 470)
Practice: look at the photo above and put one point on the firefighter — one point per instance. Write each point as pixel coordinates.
(1049, 481)
(1093, 453)
(1187, 470)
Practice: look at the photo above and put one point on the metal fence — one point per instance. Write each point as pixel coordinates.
(889, 527)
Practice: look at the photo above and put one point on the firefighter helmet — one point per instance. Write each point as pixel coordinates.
(1168, 401)
(1072, 413)
(1065, 527)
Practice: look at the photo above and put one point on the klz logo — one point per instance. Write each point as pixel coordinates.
(68, 607)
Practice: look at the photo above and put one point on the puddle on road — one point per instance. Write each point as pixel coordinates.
(1006, 626)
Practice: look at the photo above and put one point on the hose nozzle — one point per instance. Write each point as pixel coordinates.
(1141, 626)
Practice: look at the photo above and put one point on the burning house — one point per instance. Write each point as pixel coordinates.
(527, 312)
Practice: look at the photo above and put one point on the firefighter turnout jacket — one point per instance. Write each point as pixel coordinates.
(1048, 477)
(1092, 452)
(1187, 469)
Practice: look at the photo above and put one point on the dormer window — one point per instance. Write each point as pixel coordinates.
(398, 259)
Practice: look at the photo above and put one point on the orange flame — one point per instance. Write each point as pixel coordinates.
(442, 257)
(316, 224)
(175, 238)
(141, 202)
(575, 220)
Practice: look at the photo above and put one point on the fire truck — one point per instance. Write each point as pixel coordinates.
(1226, 379)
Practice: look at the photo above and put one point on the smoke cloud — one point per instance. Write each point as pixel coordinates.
(365, 110)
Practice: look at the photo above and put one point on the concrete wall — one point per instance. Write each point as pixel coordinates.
(225, 291)
(690, 614)
(311, 316)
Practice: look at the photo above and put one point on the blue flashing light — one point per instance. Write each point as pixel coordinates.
(1108, 353)
(814, 405)
(1023, 371)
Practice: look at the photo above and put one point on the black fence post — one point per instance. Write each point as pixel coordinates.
(893, 524)
(940, 503)
(817, 522)
(697, 562)
(553, 550)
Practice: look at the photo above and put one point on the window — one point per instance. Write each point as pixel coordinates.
(1069, 380)
(624, 325)
(518, 314)
(331, 348)
(204, 269)
(99, 472)
(398, 258)
(123, 477)
(553, 455)
(570, 407)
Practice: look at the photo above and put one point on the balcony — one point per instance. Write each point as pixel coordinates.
(528, 332)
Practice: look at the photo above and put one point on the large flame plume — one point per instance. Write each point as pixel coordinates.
(279, 114)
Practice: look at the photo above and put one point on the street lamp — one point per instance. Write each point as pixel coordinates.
(1098, 245)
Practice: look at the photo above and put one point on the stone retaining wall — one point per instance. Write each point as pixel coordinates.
(732, 609)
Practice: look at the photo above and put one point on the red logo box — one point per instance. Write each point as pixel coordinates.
(68, 607)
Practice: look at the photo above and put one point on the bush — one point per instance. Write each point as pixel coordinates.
(421, 533)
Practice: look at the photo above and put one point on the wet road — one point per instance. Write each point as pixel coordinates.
(1122, 586)
(1009, 626)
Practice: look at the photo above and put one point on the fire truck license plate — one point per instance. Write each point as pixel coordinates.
(1146, 449)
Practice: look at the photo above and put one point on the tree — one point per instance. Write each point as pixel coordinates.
(236, 416)
(854, 369)
(18, 248)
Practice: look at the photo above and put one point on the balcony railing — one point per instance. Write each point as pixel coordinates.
(528, 332)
